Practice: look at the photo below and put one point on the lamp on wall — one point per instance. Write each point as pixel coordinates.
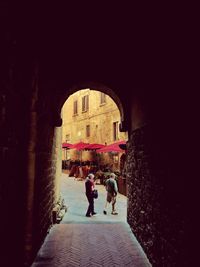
(123, 126)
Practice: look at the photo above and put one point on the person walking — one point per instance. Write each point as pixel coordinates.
(112, 189)
(89, 187)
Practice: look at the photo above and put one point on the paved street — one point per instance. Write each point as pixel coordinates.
(102, 240)
(73, 192)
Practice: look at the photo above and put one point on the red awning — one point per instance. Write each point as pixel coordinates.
(67, 145)
(112, 147)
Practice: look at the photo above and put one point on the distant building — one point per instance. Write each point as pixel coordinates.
(92, 117)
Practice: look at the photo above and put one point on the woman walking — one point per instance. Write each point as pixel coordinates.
(89, 187)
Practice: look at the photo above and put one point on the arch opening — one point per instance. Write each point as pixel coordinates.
(92, 116)
(96, 87)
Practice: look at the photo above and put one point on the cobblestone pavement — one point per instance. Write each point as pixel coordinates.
(102, 240)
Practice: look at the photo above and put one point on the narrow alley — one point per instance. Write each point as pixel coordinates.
(102, 240)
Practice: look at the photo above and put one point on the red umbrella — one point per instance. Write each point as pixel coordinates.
(112, 147)
(80, 145)
(119, 142)
(94, 146)
(67, 145)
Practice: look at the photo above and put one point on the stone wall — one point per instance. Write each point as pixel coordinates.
(13, 172)
(155, 201)
(48, 172)
(58, 161)
(15, 101)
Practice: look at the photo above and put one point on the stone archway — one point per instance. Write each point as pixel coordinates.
(92, 86)
(148, 160)
(47, 163)
(164, 140)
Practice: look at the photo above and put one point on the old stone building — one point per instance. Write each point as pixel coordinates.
(46, 57)
(92, 117)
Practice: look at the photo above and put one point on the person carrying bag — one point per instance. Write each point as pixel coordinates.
(89, 187)
(95, 193)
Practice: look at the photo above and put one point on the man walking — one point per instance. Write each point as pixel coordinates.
(112, 189)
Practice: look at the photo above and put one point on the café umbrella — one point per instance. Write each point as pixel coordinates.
(80, 146)
(66, 146)
(114, 147)
(94, 147)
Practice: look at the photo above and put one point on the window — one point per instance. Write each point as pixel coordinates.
(85, 103)
(115, 130)
(87, 130)
(75, 107)
(102, 98)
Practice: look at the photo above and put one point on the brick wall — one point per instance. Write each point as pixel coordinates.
(155, 200)
(48, 171)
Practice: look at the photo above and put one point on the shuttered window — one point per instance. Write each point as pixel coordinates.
(87, 130)
(75, 107)
(102, 98)
(115, 130)
(85, 103)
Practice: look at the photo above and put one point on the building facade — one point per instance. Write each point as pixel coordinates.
(92, 117)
